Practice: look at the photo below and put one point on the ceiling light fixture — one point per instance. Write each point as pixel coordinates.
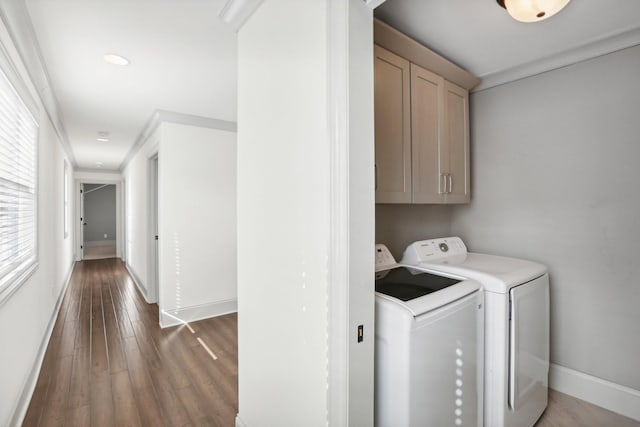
(99, 164)
(532, 10)
(115, 59)
(103, 137)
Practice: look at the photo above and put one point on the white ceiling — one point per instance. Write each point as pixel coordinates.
(481, 37)
(183, 59)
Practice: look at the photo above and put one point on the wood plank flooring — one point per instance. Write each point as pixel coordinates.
(567, 411)
(99, 252)
(108, 363)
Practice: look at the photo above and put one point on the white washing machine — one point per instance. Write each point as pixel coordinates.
(429, 347)
(516, 297)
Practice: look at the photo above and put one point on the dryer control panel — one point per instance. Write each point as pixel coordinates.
(434, 250)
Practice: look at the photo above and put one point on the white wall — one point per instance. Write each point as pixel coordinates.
(27, 316)
(555, 162)
(197, 222)
(305, 214)
(283, 216)
(136, 211)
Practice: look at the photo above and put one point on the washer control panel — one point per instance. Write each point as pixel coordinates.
(435, 250)
(384, 259)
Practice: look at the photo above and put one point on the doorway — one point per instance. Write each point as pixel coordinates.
(153, 257)
(99, 221)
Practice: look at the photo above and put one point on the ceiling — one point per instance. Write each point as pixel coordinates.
(183, 59)
(481, 37)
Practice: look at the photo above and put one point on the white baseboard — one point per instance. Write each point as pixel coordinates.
(20, 410)
(198, 312)
(239, 422)
(94, 243)
(138, 282)
(614, 397)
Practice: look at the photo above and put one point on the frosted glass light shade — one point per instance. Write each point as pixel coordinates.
(533, 10)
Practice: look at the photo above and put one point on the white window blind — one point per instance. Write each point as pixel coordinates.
(18, 163)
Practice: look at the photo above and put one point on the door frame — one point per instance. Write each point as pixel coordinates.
(78, 214)
(153, 245)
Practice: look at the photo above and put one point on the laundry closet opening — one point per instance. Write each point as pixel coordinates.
(99, 223)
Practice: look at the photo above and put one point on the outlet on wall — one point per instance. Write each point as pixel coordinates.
(105, 235)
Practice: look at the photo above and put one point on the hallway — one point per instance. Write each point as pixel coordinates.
(108, 363)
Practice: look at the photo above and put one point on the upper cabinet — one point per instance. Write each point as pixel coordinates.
(392, 128)
(421, 129)
(455, 159)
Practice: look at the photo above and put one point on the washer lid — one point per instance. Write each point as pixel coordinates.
(419, 291)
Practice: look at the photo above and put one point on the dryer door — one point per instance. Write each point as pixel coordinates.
(529, 342)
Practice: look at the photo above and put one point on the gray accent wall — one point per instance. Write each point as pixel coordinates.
(397, 226)
(555, 175)
(100, 213)
(556, 169)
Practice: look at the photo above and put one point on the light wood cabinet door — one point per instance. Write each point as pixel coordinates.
(426, 135)
(455, 123)
(392, 128)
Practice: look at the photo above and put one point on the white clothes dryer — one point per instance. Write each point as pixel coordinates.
(516, 326)
(429, 347)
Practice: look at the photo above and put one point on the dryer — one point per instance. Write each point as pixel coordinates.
(429, 347)
(516, 296)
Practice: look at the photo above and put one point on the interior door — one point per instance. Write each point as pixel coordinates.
(155, 225)
(529, 342)
(83, 222)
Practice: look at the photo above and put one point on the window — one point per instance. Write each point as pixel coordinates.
(18, 219)
(65, 191)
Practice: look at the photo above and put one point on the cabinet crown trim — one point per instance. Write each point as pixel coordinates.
(406, 47)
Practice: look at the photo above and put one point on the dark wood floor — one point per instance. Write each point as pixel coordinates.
(108, 363)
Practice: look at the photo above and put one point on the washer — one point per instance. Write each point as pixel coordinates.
(516, 296)
(429, 347)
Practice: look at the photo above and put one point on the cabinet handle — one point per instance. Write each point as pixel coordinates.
(450, 183)
(375, 170)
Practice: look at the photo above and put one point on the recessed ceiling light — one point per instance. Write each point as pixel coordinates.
(115, 59)
(99, 164)
(103, 136)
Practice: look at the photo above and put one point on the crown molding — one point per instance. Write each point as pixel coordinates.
(96, 170)
(236, 12)
(374, 3)
(23, 36)
(164, 116)
(601, 46)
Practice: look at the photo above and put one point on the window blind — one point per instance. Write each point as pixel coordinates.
(18, 163)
